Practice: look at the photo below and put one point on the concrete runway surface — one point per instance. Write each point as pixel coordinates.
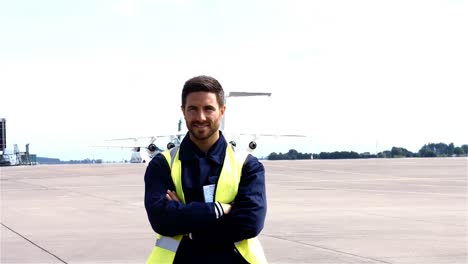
(319, 211)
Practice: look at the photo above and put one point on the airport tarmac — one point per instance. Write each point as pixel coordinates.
(319, 211)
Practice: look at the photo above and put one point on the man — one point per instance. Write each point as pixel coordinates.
(205, 200)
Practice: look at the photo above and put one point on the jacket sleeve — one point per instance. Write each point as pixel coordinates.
(170, 218)
(248, 213)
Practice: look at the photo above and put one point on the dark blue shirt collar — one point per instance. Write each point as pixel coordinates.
(190, 151)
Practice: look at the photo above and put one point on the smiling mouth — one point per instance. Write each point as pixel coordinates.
(200, 125)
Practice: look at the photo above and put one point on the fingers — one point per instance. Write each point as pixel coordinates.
(172, 196)
(226, 208)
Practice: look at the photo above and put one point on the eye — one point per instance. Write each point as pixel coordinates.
(209, 109)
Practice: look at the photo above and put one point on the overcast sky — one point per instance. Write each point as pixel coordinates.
(353, 75)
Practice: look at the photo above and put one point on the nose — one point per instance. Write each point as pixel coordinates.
(200, 116)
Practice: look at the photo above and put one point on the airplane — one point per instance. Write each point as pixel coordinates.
(139, 156)
(144, 152)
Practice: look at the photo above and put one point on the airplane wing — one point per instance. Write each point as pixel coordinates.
(150, 138)
(252, 145)
(147, 142)
(271, 135)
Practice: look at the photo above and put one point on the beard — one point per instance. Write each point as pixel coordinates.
(202, 131)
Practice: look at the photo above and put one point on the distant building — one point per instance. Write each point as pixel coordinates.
(2, 134)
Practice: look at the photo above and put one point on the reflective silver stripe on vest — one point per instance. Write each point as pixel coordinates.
(167, 243)
(173, 152)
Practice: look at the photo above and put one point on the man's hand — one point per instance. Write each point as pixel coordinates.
(226, 208)
(172, 196)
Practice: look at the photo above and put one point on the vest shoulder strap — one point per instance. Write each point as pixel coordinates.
(241, 157)
(170, 155)
(173, 152)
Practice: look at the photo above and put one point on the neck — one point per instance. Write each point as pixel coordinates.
(205, 144)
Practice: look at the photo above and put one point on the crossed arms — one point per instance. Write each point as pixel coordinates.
(241, 220)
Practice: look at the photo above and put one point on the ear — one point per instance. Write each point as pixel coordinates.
(182, 108)
(222, 109)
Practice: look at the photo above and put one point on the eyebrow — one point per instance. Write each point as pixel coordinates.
(204, 107)
(209, 107)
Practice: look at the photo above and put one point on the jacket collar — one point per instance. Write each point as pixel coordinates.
(190, 151)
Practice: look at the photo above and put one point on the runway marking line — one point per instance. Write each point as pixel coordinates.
(43, 249)
(327, 249)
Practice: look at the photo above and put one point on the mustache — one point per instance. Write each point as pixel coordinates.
(199, 123)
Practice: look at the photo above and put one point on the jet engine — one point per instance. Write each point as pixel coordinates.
(252, 145)
(152, 147)
(170, 145)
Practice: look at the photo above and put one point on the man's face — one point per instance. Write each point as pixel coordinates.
(202, 115)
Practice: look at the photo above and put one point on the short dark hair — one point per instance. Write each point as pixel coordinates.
(203, 83)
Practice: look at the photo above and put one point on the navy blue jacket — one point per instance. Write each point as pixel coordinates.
(212, 239)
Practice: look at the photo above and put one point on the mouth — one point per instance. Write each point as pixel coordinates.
(198, 125)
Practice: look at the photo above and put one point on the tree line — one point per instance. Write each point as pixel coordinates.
(428, 150)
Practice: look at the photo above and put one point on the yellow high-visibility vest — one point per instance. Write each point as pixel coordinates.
(165, 248)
